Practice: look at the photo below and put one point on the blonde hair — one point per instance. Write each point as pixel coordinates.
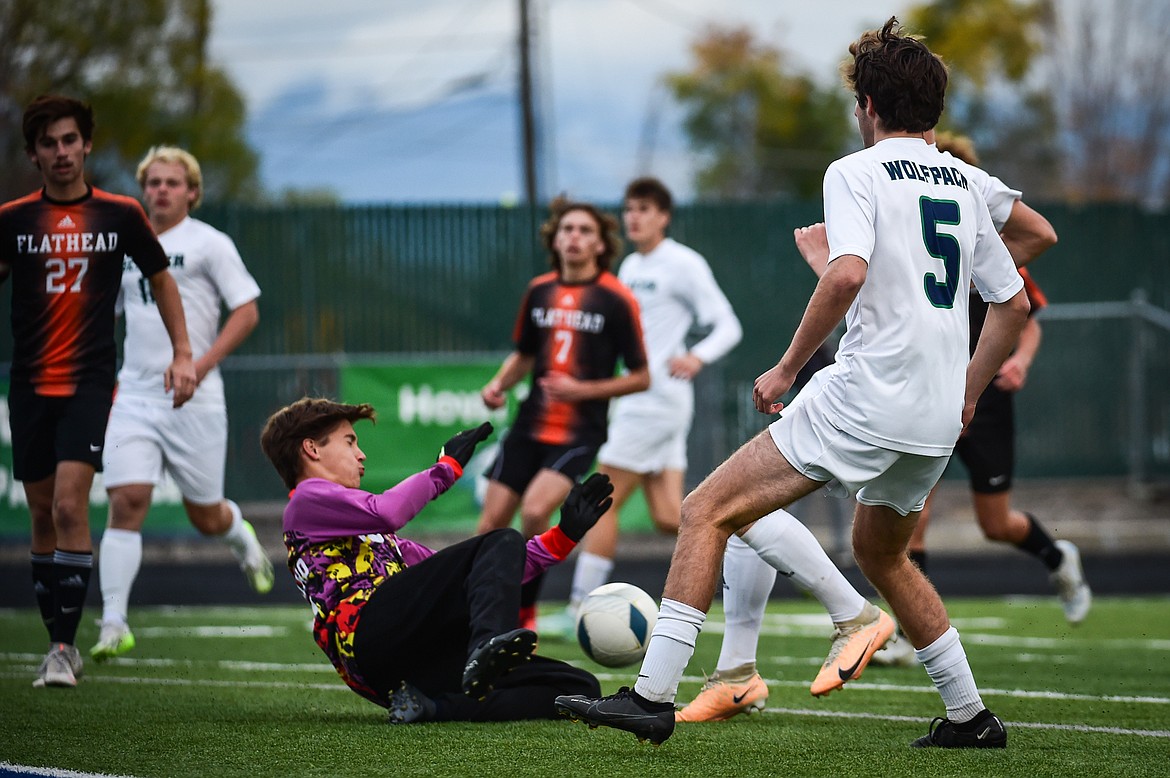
(174, 155)
(959, 146)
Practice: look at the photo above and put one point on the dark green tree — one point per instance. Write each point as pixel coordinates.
(761, 129)
(142, 64)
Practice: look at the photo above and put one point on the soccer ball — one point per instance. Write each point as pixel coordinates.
(614, 624)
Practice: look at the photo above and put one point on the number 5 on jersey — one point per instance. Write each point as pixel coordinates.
(941, 246)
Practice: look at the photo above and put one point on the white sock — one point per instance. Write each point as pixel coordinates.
(946, 664)
(238, 539)
(747, 582)
(119, 559)
(671, 646)
(592, 570)
(786, 544)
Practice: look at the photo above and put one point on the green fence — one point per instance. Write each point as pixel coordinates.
(344, 285)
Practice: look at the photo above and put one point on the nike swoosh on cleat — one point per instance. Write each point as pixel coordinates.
(738, 698)
(847, 673)
(983, 735)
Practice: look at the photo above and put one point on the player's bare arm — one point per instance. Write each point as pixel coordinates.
(1014, 373)
(1027, 234)
(565, 388)
(813, 244)
(514, 368)
(179, 377)
(1001, 332)
(834, 294)
(236, 329)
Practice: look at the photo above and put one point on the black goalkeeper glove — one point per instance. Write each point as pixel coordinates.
(585, 505)
(462, 446)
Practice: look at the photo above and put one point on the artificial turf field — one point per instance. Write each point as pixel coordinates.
(213, 691)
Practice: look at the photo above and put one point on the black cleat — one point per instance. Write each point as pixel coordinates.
(494, 658)
(983, 731)
(628, 710)
(407, 705)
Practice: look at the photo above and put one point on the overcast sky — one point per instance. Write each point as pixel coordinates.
(396, 100)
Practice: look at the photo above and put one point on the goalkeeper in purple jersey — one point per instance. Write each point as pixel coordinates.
(428, 635)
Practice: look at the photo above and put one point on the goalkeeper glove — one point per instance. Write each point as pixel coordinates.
(585, 504)
(462, 446)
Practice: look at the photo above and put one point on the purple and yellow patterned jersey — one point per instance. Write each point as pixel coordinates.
(342, 545)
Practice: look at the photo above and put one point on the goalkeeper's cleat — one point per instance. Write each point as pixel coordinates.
(256, 564)
(60, 667)
(626, 710)
(897, 652)
(495, 657)
(722, 699)
(407, 705)
(1069, 579)
(854, 643)
(114, 640)
(983, 731)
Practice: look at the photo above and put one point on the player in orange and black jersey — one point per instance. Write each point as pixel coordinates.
(64, 247)
(987, 450)
(574, 325)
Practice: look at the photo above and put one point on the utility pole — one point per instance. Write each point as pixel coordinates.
(202, 31)
(527, 109)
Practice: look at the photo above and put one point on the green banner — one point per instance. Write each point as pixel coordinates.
(420, 406)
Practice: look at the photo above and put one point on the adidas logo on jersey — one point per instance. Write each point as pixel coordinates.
(66, 223)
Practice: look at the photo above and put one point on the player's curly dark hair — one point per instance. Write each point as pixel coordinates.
(308, 418)
(905, 79)
(607, 228)
(46, 109)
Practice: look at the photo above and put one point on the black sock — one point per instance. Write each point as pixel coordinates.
(1039, 544)
(72, 569)
(45, 588)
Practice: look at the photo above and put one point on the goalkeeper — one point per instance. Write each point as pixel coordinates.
(428, 635)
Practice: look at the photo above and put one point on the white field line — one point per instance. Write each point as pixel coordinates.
(1085, 728)
(21, 661)
(51, 772)
(338, 686)
(820, 626)
(214, 631)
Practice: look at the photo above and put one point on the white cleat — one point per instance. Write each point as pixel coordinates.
(1069, 579)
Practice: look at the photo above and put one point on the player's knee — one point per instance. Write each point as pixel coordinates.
(70, 513)
(211, 520)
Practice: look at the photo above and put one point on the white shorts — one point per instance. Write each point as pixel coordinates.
(877, 476)
(190, 443)
(646, 444)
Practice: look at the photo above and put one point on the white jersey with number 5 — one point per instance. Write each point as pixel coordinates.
(209, 272)
(926, 233)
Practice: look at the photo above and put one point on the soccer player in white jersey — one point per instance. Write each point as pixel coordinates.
(646, 445)
(907, 235)
(145, 436)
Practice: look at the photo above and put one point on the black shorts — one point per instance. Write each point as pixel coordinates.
(48, 430)
(520, 458)
(988, 447)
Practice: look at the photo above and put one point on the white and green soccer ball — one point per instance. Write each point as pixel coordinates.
(614, 624)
